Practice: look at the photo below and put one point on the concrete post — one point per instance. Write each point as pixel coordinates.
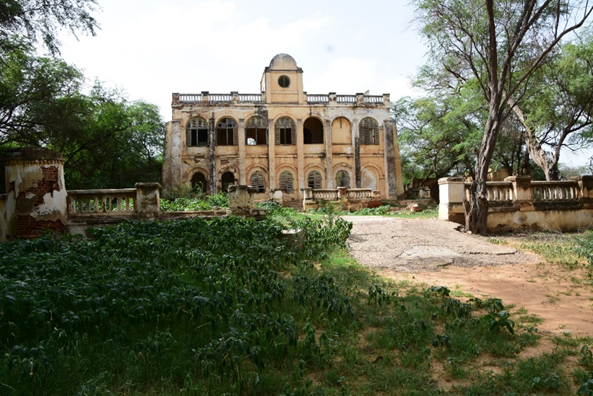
(522, 194)
(36, 198)
(586, 187)
(452, 195)
(148, 200)
(240, 199)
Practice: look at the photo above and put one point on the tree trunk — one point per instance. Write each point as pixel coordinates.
(476, 208)
(548, 163)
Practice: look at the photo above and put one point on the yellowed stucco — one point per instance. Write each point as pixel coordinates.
(335, 146)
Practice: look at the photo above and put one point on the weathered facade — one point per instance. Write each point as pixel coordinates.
(282, 139)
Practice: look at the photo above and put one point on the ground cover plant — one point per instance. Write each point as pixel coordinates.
(230, 306)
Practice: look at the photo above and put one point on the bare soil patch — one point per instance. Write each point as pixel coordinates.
(436, 253)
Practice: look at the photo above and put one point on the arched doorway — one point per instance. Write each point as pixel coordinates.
(228, 179)
(199, 181)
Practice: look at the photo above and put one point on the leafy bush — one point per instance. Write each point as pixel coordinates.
(152, 301)
(203, 202)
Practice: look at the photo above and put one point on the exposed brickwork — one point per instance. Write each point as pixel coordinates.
(27, 226)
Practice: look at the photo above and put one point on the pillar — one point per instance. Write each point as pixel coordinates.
(36, 198)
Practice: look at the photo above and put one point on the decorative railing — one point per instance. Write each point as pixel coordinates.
(235, 97)
(496, 192)
(190, 98)
(120, 202)
(373, 98)
(558, 191)
(317, 98)
(346, 98)
(250, 98)
(360, 193)
(325, 195)
(220, 97)
(519, 204)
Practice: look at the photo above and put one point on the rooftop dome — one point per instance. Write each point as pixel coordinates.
(283, 62)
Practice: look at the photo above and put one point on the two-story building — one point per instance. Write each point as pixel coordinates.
(282, 139)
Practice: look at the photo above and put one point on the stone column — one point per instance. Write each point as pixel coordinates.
(242, 166)
(175, 152)
(329, 180)
(452, 195)
(36, 198)
(300, 145)
(357, 181)
(212, 152)
(271, 155)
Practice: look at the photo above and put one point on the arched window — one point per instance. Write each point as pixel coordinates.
(314, 180)
(228, 179)
(368, 131)
(196, 132)
(257, 181)
(255, 131)
(286, 182)
(285, 131)
(313, 131)
(198, 180)
(343, 179)
(226, 132)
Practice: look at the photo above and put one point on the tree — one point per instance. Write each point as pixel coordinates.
(436, 135)
(29, 86)
(498, 45)
(40, 21)
(558, 112)
(106, 141)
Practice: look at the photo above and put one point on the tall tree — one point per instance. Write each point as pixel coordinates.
(41, 20)
(499, 45)
(558, 111)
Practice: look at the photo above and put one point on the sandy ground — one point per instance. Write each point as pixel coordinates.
(435, 252)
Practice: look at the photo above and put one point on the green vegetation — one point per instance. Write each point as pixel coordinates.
(230, 306)
(383, 210)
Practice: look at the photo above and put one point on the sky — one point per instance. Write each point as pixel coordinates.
(153, 48)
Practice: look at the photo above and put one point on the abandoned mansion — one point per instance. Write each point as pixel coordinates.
(282, 139)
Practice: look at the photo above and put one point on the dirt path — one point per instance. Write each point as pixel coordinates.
(436, 253)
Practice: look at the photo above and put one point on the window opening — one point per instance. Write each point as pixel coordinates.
(285, 131)
(257, 181)
(255, 131)
(226, 132)
(369, 131)
(343, 179)
(286, 182)
(314, 180)
(197, 132)
(284, 81)
(313, 131)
